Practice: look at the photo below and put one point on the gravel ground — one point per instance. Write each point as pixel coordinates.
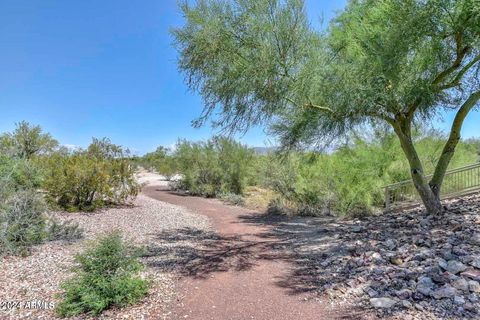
(402, 265)
(37, 278)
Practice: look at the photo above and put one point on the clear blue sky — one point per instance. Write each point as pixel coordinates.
(91, 68)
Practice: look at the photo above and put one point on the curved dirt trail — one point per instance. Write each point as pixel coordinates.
(241, 274)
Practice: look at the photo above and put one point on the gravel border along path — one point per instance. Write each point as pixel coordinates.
(38, 276)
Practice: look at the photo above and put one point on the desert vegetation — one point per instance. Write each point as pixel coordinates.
(346, 181)
(37, 175)
(23, 208)
(88, 179)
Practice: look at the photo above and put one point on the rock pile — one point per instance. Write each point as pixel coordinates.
(406, 263)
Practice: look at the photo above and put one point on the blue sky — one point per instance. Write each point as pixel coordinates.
(84, 69)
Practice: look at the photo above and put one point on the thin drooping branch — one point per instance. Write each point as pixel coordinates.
(451, 144)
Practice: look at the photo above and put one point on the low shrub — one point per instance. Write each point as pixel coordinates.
(258, 198)
(22, 223)
(66, 230)
(233, 199)
(106, 275)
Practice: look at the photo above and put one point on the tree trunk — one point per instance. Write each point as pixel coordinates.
(452, 142)
(430, 198)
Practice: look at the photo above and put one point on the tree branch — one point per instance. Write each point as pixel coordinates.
(460, 55)
(456, 81)
(311, 105)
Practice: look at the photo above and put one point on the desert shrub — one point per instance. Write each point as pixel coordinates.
(160, 161)
(65, 230)
(219, 165)
(86, 180)
(22, 222)
(258, 197)
(18, 174)
(106, 275)
(233, 199)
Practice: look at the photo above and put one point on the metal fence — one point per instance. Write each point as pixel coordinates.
(456, 182)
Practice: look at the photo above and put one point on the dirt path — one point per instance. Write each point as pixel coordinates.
(240, 274)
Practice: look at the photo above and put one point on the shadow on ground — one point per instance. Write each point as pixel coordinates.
(352, 260)
(197, 253)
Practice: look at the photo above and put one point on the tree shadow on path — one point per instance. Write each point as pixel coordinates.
(197, 253)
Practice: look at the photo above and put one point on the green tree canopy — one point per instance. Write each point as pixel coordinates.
(26, 141)
(380, 62)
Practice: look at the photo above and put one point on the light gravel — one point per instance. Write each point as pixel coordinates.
(38, 276)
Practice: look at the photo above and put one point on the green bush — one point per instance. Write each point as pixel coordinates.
(17, 174)
(160, 161)
(349, 181)
(86, 180)
(211, 168)
(107, 275)
(22, 220)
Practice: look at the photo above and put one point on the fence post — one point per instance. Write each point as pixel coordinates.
(387, 199)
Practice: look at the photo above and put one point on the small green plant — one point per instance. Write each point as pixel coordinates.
(106, 275)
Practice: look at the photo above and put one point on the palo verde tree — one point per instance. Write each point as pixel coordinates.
(396, 63)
